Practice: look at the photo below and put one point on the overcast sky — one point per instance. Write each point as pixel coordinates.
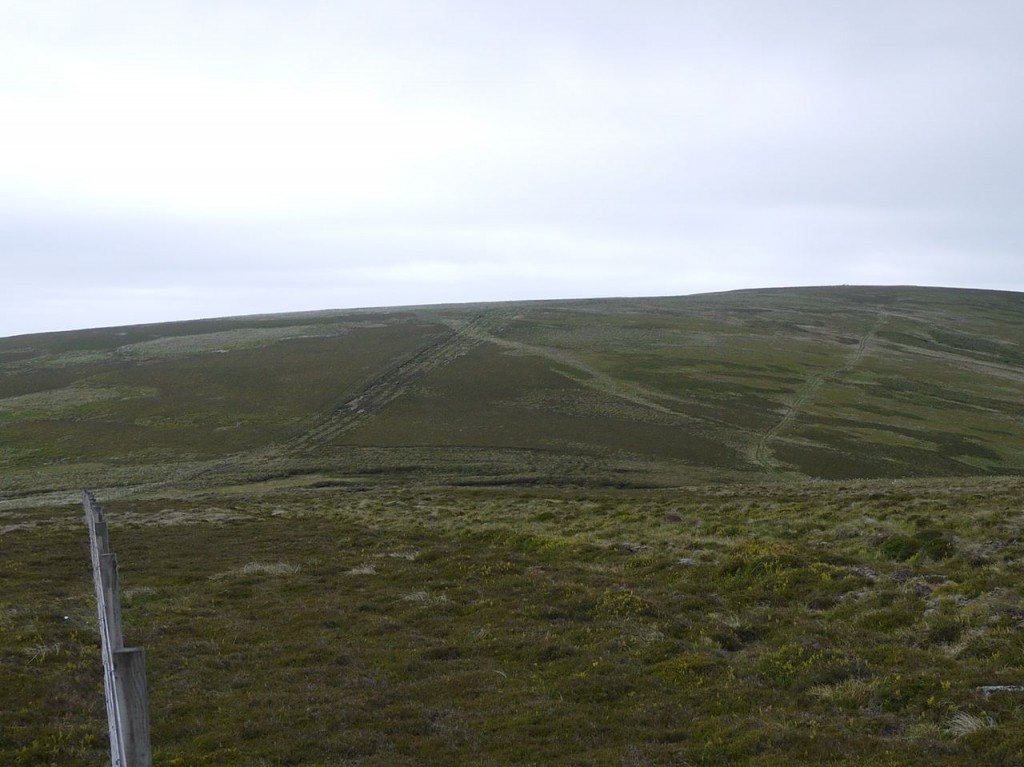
(169, 160)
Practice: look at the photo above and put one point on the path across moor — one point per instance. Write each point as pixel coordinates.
(375, 394)
(763, 454)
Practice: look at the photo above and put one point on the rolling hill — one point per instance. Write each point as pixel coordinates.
(829, 383)
(767, 528)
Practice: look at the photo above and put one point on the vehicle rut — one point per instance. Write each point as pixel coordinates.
(762, 453)
(389, 385)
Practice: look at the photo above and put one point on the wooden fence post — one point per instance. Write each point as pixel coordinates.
(130, 678)
(124, 670)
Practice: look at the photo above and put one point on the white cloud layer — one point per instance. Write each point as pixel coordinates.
(172, 159)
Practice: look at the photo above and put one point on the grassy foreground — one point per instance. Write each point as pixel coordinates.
(860, 623)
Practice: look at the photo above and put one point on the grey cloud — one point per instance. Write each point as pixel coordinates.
(222, 158)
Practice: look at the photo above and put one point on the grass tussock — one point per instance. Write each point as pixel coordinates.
(260, 568)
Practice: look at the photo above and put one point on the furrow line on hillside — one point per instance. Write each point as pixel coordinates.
(377, 393)
(762, 451)
(1005, 370)
(591, 378)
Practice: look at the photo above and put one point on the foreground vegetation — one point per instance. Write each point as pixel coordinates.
(820, 623)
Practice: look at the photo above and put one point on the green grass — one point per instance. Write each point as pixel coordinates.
(797, 624)
(821, 383)
(766, 527)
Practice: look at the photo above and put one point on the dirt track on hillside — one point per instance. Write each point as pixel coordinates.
(763, 454)
(376, 393)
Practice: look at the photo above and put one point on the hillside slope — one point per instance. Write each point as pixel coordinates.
(826, 383)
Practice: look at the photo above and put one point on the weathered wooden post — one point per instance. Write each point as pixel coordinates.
(124, 669)
(130, 681)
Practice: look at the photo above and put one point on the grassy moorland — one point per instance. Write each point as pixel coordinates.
(766, 527)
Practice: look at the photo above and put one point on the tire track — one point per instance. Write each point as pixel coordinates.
(762, 453)
(377, 393)
(588, 376)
